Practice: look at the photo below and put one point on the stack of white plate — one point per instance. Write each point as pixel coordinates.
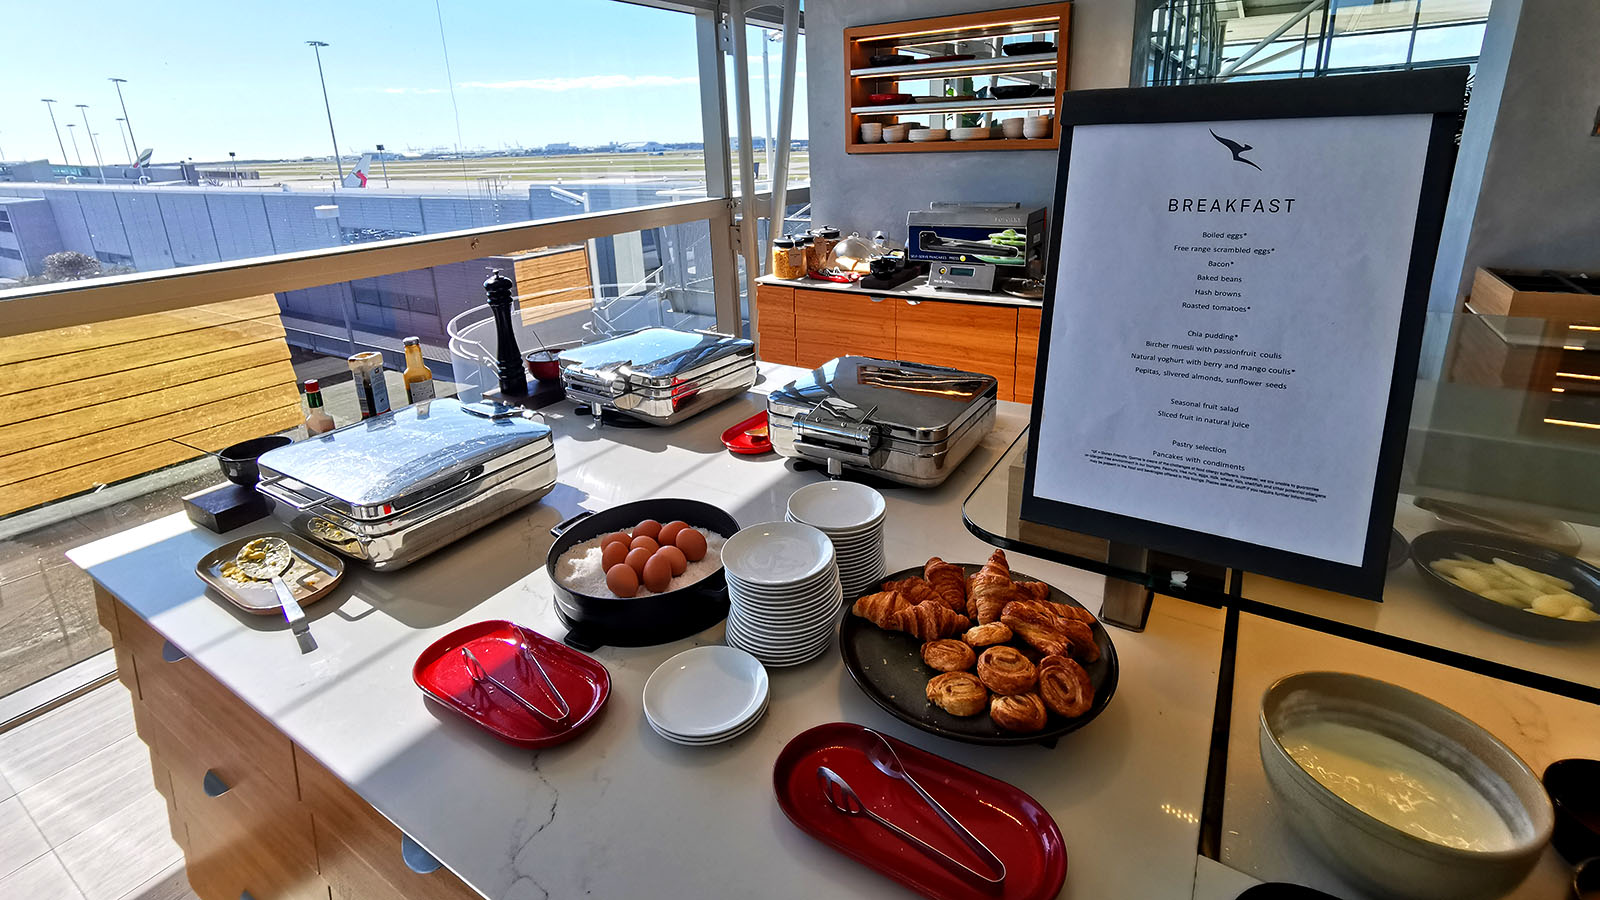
(852, 516)
(706, 695)
(784, 592)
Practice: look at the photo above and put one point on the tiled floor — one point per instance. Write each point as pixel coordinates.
(80, 818)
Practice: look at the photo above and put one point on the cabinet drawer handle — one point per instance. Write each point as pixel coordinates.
(913, 302)
(246, 895)
(170, 652)
(417, 859)
(213, 784)
(877, 299)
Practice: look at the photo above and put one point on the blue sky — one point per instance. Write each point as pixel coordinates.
(207, 78)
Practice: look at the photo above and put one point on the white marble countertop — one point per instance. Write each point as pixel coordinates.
(915, 289)
(620, 812)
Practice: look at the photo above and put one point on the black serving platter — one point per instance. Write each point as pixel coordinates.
(888, 667)
(1025, 48)
(1480, 545)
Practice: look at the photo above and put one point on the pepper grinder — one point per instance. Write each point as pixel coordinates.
(513, 381)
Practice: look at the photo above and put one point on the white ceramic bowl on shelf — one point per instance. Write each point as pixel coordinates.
(871, 132)
(1012, 127)
(923, 135)
(970, 134)
(1038, 127)
(894, 134)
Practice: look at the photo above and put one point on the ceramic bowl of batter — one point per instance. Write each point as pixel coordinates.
(1383, 858)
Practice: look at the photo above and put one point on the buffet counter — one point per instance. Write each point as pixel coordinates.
(618, 812)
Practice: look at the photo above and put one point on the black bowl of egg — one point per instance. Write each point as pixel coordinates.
(1519, 586)
(674, 584)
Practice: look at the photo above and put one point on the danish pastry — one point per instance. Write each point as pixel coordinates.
(958, 693)
(1018, 712)
(916, 590)
(1068, 611)
(1005, 670)
(948, 655)
(1047, 639)
(1036, 591)
(1065, 687)
(880, 609)
(986, 635)
(1082, 638)
(950, 581)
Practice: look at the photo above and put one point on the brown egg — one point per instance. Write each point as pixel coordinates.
(692, 543)
(637, 557)
(614, 554)
(622, 580)
(657, 573)
(674, 556)
(648, 543)
(615, 537)
(648, 528)
(669, 533)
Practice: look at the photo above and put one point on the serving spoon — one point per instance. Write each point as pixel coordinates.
(266, 559)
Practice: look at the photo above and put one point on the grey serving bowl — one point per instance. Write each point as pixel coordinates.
(1381, 858)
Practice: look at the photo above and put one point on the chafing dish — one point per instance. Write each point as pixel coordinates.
(391, 489)
(907, 422)
(658, 375)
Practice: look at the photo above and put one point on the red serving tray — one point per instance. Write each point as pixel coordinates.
(581, 680)
(737, 441)
(1010, 822)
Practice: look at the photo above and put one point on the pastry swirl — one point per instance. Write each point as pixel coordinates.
(1022, 713)
(1005, 670)
(1065, 687)
(948, 655)
(986, 635)
(958, 693)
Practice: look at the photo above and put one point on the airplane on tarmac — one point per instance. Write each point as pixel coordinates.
(357, 177)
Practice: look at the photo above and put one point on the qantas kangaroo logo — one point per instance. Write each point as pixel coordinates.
(1237, 149)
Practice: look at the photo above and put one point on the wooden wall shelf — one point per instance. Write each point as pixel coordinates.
(937, 37)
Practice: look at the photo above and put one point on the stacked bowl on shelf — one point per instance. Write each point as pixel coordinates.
(706, 695)
(783, 590)
(852, 516)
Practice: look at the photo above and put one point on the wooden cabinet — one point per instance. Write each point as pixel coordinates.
(1028, 324)
(255, 815)
(970, 336)
(835, 323)
(775, 324)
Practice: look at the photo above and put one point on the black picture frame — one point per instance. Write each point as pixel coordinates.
(1438, 92)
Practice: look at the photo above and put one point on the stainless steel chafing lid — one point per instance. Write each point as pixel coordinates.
(389, 462)
(655, 357)
(854, 395)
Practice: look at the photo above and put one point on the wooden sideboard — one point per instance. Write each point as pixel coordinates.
(803, 327)
(256, 816)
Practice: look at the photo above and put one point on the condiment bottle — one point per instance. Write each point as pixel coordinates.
(508, 358)
(788, 258)
(372, 392)
(418, 377)
(317, 419)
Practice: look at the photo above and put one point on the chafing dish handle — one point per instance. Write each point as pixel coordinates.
(274, 488)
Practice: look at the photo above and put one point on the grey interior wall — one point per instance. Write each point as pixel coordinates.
(1527, 154)
(866, 192)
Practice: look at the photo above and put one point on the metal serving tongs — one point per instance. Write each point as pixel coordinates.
(480, 674)
(887, 761)
(844, 799)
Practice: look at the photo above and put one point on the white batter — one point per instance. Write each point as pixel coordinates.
(1397, 785)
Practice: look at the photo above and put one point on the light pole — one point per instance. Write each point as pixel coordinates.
(766, 97)
(47, 102)
(316, 47)
(75, 151)
(99, 166)
(122, 134)
(119, 82)
(382, 161)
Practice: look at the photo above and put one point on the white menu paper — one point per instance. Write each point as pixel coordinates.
(1227, 308)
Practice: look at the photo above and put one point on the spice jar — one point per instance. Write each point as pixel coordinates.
(788, 258)
(823, 240)
(803, 243)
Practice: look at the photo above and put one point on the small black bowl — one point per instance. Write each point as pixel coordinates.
(1024, 48)
(1013, 91)
(1586, 880)
(891, 59)
(1574, 789)
(1481, 545)
(239, 461)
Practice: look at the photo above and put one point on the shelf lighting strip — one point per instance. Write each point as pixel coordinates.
(956, 31)
(958, 67)
(1572, 424)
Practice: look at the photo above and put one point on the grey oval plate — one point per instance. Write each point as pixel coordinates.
(888, 667)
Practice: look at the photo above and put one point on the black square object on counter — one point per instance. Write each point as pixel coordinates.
(226, 507)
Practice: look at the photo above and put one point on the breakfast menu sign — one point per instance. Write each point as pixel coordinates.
(1234, 318)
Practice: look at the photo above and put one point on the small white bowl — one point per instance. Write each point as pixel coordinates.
(871, 132)
(928, 134)
(895, 133)
(969, 134)
(1012, 128)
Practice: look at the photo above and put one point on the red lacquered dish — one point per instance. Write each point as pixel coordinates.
(583, 683)
(739, 439)
(1010, 822)
(886, 99)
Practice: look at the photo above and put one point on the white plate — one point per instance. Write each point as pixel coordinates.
(837, 506)
(777, 553)
(772, 631)
(787, 654)
(781, 592)
(706, 742)
(705, 691)
(876, 525)
(779, 662)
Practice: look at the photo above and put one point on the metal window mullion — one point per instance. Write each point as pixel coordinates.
(719, 173)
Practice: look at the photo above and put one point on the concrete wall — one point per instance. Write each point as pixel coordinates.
(866, 192)
(1527, 189)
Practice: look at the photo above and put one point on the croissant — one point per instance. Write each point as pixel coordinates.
(1069, 611)
(1042, 614)
(1019, 712)
(958, 693)
(916, 590)
(1082, 638)
(1065, 687)
(949, 580)
(928, 621)
(1046, 638)
(880, 609)
(1034, 590)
